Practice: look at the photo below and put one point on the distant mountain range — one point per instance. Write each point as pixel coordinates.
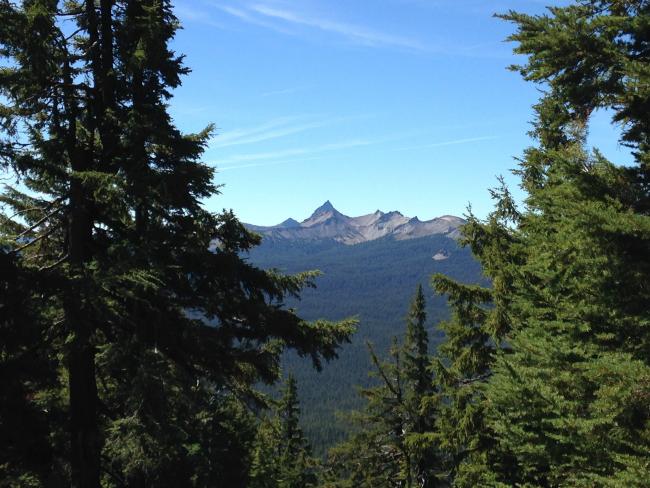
(328, 223)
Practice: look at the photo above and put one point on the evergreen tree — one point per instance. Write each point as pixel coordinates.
(265, 462)
(148, 327)
(462, 366)
(425, 465)
(393, 446)
(543, 378)
(294, 448)
(558, 364)
(569, 404)
(463, 362)
(282, 457)
(29, 399)
(377, 454)
(416, 349)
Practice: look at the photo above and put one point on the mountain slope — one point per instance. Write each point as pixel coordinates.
(373, 280)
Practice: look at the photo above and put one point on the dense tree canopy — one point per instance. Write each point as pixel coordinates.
(133, 333)
(118, 277)
(391, 447)
(543, 379)
(560, 356)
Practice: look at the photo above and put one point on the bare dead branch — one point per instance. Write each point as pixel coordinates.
(476, 379)
(41, 221)
(54, 265)
(34, 241)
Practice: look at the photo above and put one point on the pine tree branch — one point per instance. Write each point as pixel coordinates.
(73, 34)
(469, 381)
(54, 265)
(34, 241)
(30, 209)
(375, 361)
(31, 228)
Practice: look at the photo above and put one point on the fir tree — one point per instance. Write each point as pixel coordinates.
(377, 454)
(393, 447)
(148, 325)
(568, 404)
(282, 457)
(473, 336)
(543, 378)
(462, 366)
(559, 397)
(425, 465)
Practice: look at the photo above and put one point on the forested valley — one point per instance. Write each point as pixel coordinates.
(143, 337)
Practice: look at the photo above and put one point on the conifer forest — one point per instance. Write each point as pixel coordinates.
(146, 340)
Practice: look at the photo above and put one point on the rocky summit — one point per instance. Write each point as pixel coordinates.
(327, 223)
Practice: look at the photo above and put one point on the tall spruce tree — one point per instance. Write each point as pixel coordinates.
(462, 366)
(282, 457)
(294, 450)
(147, 325)
(569, 404)
(562, 400)
(548, 384)
(474, 334)
(421, 413)
(376, 455)
(393, 447)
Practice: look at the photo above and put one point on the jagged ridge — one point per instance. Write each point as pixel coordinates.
(328, 223)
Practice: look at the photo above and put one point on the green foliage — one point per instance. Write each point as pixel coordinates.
(29, 399)
(131, 322)
(282, 456)
(391, 447)
(562, 404)
(544, 378)
(373, 281)
(462, 366)
(568, 400)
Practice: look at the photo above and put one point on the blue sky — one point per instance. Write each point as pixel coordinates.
(373, 104)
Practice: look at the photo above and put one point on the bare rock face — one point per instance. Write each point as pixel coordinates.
(327, 223)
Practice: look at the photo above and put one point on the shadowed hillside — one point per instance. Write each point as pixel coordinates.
(374, 281)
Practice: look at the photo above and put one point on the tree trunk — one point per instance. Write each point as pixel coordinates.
(84, 429)
(84, 432)
(84, 423)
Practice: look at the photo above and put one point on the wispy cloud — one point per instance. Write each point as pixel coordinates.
(293, 152)
(356, 33)
(293, 22)
(276, 128)
(190, 13)
(304, 154)
(290, 22)
(251, 18)
(269, 163)
(454, 142)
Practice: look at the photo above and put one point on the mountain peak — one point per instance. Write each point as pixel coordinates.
(327, 223)
(326, 207)
(289, 223)
(326, 214)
